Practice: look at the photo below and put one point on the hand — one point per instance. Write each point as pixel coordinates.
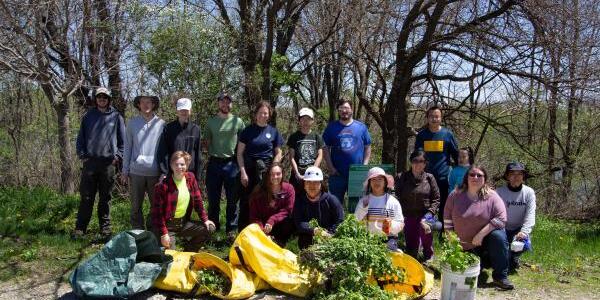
(521, 236)
(124, 179)
(386, 226)
(267, 229)
(425, 227)
(477, 240)
(244, 178)
(210, 226)
(365, 201)
(165, 240)
(115, 162)
(321, 232)
(299, 177)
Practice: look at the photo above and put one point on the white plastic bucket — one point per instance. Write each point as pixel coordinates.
(459, 286)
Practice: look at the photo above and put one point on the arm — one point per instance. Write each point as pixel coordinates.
(286, 210)
(367, 155)
(162, 154)
(157, 211)
(398, 221)
(300, 218)
(453, 148)
(330, 167)
(434, 196)
(295, 171)
(338, 214)
(240, 159)
(127, 150)
(278, 154)
(498, 220)
(80, 142)
(529, 221)
(319, 157)
(361, 209)
(120, 137)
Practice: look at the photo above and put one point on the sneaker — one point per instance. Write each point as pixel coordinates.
(504, 284)
(77, 235)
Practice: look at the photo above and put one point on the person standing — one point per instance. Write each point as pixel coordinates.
(419, 198)
(306, 148)
(181, 135)
(222, 170)
(140, 166)
(347, 142)
(441, 149)
(520, 208)
(259, 145)
(100, 147)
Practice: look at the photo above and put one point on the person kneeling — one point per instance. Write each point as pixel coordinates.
(316, 204)
(381, 210)
(174, 199)
(271, 205)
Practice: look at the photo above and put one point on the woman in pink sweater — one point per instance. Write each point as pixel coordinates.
(478, 215)
(271, 205)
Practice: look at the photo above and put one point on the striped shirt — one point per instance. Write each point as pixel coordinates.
(378, 209)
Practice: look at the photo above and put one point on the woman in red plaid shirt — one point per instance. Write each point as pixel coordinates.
(174, 199)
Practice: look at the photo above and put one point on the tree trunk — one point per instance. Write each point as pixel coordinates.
(62, 109)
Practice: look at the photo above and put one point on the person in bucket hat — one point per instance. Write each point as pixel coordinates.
(520, 204)
(379, 208)
(140, 164)
(316, 203)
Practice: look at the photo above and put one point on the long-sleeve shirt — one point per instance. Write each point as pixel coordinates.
(379, 209)
(262, 213)
(101, 135)
(328, 211)
(186, 138)
(141, 146)
(164, 203)
(417, 196)
(520, 208)
(467, 217)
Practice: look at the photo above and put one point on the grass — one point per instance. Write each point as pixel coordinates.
(35, 225)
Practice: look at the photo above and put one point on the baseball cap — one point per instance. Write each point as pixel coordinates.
(222, 95)
(305, 111)
(184, 103)
(515, 166)
(102, 90)
(313, 174)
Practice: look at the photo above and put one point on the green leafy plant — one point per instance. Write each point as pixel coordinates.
(348, 260)
(454, 256)
(214, 281)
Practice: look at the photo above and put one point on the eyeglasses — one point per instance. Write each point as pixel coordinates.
(416, 161)
(476, 175)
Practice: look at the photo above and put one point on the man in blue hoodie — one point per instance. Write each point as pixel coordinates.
(100, 147)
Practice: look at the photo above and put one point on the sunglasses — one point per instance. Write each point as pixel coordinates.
(476, 175)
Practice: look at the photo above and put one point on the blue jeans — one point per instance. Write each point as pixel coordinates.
(338, 186)
(494, 253)
(218, 173)
(513, 256)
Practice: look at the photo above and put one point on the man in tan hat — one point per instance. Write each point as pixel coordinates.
(140, 163)
(100, 147)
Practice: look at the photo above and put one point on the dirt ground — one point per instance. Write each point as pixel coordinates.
(51, 288)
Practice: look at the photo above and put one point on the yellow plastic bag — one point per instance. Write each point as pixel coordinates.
(417, 281)
(256, 252)
(182, 278)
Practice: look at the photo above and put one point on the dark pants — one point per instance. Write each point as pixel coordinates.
(255, 171)
(282, 231)
(513, 256)
(139, 186)
(494, 253)
(338, 186)
(97, 176)
(415, 236)
(443, 187)
(192, 233)
(305, 240)
(219, 173)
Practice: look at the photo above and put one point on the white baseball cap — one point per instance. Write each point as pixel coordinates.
(184, 103)
(313, 174)
(305, 111)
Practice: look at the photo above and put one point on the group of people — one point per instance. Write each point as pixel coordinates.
(163, 160)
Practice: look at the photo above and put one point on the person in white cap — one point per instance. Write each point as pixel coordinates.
(316, 203)
(140, 164)
(379, 208)
(305, 148)
(181, 135)
(100, 147)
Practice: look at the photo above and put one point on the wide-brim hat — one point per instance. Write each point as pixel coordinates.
(375, 172)
(137, 99)
(515, 166)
